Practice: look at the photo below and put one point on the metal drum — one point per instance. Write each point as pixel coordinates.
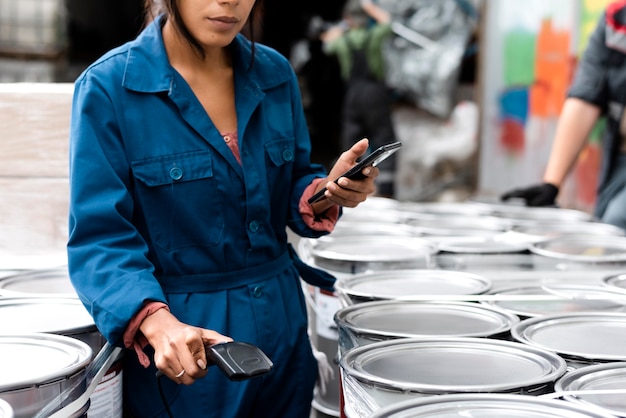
(580, 338)
(36, 368)
(548, 299)
(600, 386)
(487, 406)
(370, 322)
(46, 283)
(6, 411)
(380, 374)
(405, 284)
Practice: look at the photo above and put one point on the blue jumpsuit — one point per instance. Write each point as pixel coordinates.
(160, 210)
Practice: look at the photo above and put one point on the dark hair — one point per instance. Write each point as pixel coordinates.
(353, 10)
(170, 9)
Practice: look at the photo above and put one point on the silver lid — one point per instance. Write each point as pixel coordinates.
(394, 319)
(45, 282)
(481, 245)
(598, 377)
(442, 209)
(34, 359)
(402, 284)
(522, 212)
(483, 226)
(52, 315)
(444, 365)
(549, 230)
(355, 228)
(485, 406)
(370, 248)
(583, 248)
(574, 298)
(587, 335)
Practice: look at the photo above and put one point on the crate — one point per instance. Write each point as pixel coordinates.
(33, 28)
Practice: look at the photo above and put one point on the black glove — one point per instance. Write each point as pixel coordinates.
(538, 195)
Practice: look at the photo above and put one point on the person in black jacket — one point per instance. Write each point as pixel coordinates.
(598, 89)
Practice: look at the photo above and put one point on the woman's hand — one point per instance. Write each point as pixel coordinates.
(347, 192)
(179, 351)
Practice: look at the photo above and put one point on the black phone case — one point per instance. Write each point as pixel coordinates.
(239, 360)
(356, 173)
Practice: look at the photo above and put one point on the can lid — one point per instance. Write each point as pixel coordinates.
(549, 229)
(394, 319)
(35, 359)
(584, 335)
(575, 298)
(598, 377)
(486, 406)
(372, 248)
(50, 315)
(45, 282)
(481, 245)
(583, 248)
(401, 284)
(444, 365)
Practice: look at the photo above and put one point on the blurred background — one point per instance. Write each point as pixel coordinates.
(477, 87)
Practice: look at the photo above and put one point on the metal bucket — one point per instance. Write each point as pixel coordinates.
(592, 386)
(6, 411)
(36, 368)
(370, 322)
(348, 251)
(380, 374)
(567, 298)
(403, 284)
(582, 339)
(487, 406)
(67, 317)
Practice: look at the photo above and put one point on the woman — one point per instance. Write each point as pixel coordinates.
(189, 158)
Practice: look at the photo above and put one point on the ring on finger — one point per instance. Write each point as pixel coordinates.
(182, 372)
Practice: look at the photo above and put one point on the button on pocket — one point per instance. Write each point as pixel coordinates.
(176, 173)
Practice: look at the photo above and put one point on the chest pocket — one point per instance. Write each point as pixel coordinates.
(281, 155)
(179, 199)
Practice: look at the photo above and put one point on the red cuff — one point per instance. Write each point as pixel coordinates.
(133, 338)
(324, 222)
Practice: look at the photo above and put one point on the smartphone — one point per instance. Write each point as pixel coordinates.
(355, 173)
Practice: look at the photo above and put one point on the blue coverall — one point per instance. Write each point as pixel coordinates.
(160, 210)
